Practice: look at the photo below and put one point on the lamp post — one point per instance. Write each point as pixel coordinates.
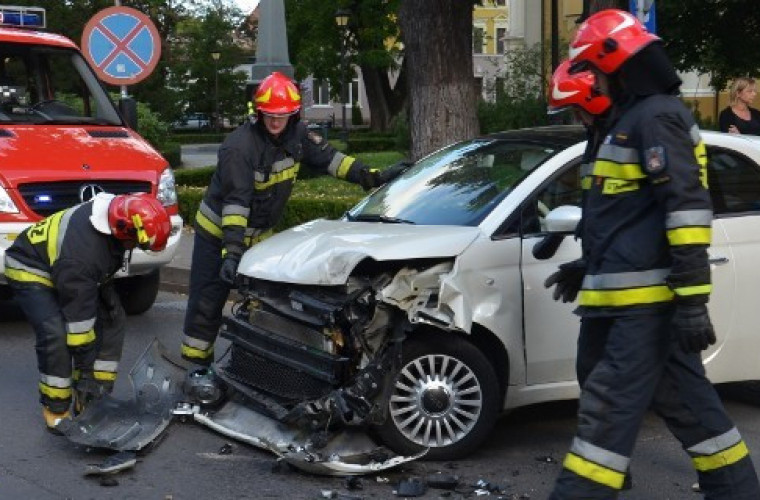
(341, 19)
(215, 56)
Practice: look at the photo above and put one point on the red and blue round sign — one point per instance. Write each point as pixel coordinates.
(122, 45)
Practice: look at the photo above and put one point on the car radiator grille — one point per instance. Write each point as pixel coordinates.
(284, 369)
(47, 198)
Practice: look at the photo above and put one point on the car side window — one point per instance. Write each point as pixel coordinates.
(734, 182)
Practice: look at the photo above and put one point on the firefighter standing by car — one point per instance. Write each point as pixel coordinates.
(646, 282)
(258, 164)
(61, 271)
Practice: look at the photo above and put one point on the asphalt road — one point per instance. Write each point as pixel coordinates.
(199, 155)
(522, 456)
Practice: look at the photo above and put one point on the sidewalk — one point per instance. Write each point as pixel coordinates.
(175, 276)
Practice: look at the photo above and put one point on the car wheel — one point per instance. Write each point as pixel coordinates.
(444, 397)
(138, 293)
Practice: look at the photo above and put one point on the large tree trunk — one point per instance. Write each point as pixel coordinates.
(438, 50)
(384, 101)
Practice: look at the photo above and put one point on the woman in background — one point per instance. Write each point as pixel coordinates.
(740, 117)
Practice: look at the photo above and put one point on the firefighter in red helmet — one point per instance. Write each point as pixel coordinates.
(257, 166)
(645, 281)
(61, 271)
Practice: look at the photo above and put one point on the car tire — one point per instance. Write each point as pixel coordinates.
(445, 388)
(138, 293)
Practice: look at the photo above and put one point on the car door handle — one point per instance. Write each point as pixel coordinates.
(718, 260)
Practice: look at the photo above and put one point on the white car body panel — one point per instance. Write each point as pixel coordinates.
(498, 284)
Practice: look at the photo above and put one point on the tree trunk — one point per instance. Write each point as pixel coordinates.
(592, 6)
(384, 101)
(438, 51)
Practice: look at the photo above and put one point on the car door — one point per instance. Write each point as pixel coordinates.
(551, 328)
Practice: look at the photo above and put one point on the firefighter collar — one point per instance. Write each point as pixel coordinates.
(99, 217)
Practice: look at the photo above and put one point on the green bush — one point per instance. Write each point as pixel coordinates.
(370, 143)
(194, 177)
(356, 115)
(195, 138)
(189, 199)
(173, 154)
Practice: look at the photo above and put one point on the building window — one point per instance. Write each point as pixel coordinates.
(321, 93)
(478, 39)
(501, 35)
(500, 3)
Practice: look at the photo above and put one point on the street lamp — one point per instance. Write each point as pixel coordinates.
(341, 19)
(215, 56)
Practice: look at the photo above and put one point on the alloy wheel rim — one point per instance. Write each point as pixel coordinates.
(436, 400)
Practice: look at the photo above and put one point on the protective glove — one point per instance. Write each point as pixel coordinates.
(568, 280)
(229, 267)
(692, 327)
(371, 178)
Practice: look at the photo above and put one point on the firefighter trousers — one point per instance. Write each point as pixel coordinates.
(61, 366)
(205, 304)
(630, 363)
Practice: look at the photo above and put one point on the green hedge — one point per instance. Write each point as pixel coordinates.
(297, 211)
(172, 151)
(197, 177)
(362, 143)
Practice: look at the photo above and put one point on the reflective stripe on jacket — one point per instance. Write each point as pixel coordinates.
(647, 216)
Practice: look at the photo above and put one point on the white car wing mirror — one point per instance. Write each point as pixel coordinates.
(563, 219)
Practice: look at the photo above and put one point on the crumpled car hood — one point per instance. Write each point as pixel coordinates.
(324, 252)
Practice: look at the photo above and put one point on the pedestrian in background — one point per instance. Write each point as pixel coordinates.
(258, 164)
(643, 296)
(61, 271)
(740, 117)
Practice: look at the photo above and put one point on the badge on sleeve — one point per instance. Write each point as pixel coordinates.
(655, 161)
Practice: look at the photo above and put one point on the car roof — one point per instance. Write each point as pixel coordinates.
(556, 135)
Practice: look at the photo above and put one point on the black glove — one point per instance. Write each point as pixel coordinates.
(371, 178)
(229, 267)
(568, 280)
(692, 327)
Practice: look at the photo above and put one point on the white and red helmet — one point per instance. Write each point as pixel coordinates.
(140, 218)
(277, 95)
(578, 89)
(607, 39)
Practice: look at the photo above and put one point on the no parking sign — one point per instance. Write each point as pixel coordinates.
(122, 45)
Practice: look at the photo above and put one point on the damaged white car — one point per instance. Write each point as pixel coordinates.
(421, 315)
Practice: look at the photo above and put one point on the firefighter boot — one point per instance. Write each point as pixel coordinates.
(53, 419)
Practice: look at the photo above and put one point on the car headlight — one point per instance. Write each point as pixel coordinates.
(167, 192)
(6, 203)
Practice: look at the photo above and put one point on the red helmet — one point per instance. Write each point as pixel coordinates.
(576, 90)
(277, 95)
(607, 39)
(140, 218)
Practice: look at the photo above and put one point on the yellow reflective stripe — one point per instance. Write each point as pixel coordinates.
(234, 220)
(625, 297)
(252, 240)
(344, 167)
(721, 459)
(605, 168)
(265, 97)
(192, 352)
(52, 237)
(108, 376)
(685, 291)
(615, 186)
(55, 392)
(586, 182)
(79, 339)
(27, 277)
(594, 472)
(278, 177)
(690, 236)
(208, 225)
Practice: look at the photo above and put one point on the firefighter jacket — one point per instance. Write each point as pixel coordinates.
(67, 253)
(254, 179)
(647, 215)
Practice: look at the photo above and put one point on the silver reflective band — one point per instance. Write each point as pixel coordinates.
(618, 154)
(332, 168)
(52, 381)
(633, 279)
(210, 215)
(105, 366)
(236, 210)
(195, 343)
(603, 457)
(10, 262)
(688, 218)
(80, 326)
(718, 443)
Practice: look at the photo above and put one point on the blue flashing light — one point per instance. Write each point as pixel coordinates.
(22, 17)
(43, 198)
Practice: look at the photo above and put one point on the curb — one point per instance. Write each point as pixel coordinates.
(174, 279)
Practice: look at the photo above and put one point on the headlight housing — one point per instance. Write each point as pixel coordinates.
(6, 203)
(167, 191)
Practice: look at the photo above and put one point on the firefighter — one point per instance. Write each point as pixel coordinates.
(645, 281)
(257, 166)
(61, 271)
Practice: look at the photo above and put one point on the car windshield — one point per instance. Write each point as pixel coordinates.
(458, 185)
(50, 85)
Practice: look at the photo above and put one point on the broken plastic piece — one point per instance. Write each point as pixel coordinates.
(412, 487)
(442, 481)
(226, 449)
(113, 464)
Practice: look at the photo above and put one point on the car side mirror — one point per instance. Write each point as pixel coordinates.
(560, 222)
